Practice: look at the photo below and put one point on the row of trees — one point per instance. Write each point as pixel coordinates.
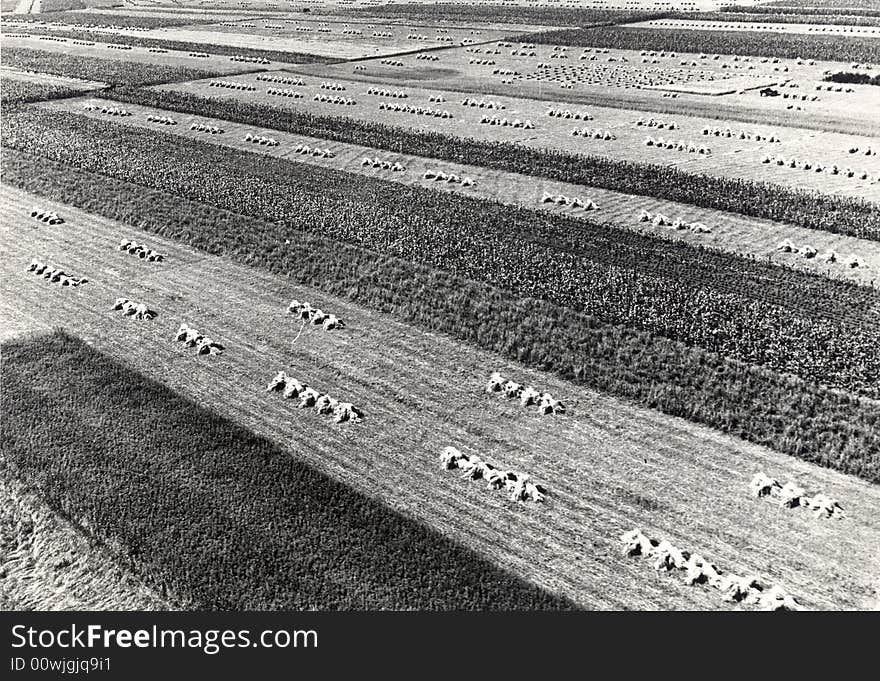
(841, 215)
(214, 515)
(825, 332)
(799, 418)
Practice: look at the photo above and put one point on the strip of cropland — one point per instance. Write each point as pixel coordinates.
(754, 403)
(821, 330)
(757, 154)
(465, 13)
(214, 514)
(15, 91)
(753, 15)
(608, 466)
(284, 56)
(843, 215)
(106, 70)
(105, 19)
(781, 45)
(730, 233)
(48, 563)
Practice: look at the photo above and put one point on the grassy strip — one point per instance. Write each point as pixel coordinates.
(820, 330)
(213, 514)
(782, 45)
(814, 6)
(840, 215)
(92, 68)
(776, 16)
(14, 91)
(499, 14)
(804, 420)
(180, 45)
(106, 19)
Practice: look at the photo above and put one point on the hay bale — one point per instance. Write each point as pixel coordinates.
(792, 495)
(278, 382)
(763, 485)
(637, 544)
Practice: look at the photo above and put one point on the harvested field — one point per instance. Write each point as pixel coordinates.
(751, 312)
(728, 157)
(49, 564)
(730, 233)
(336, 40)
(599, 461)
(252, 528)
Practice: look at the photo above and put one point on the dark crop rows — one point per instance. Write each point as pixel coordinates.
(856, 78)
(214, 515)
(842, 6)
(14, 91)
(500, 14)
(106, 19)
(794, 322)
(782, 45)
(804, 420)
(179, 45)
(104, 70)
(840, 215)
(775, 15)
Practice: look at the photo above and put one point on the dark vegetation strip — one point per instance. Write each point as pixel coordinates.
(213, 514)
(14, 91)
(779, 17)
(106, 19)
(804, 420)
(840, 215)
(843, 6)
(855, 78)
(92, 68)
(770, 44)
(823, 331)
(183, 46)
(499, 14)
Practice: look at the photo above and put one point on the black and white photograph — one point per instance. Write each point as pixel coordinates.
(314, 306)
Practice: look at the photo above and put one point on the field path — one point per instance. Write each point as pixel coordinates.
(609, 466)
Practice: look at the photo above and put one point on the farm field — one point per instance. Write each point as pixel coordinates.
(48, 79)
(608, 466)
(140, 55)
(653, 224)
(718, 87)
(727, 157)
(805, 28)
(48, 564)
(730, 233)
(336, 39)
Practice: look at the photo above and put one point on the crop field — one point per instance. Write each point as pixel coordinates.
(764, 26)
(730, 232)
(708, 85)
(608, 466)
(338, 40)
(66, 51)
(350, 305)
(726, 157)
